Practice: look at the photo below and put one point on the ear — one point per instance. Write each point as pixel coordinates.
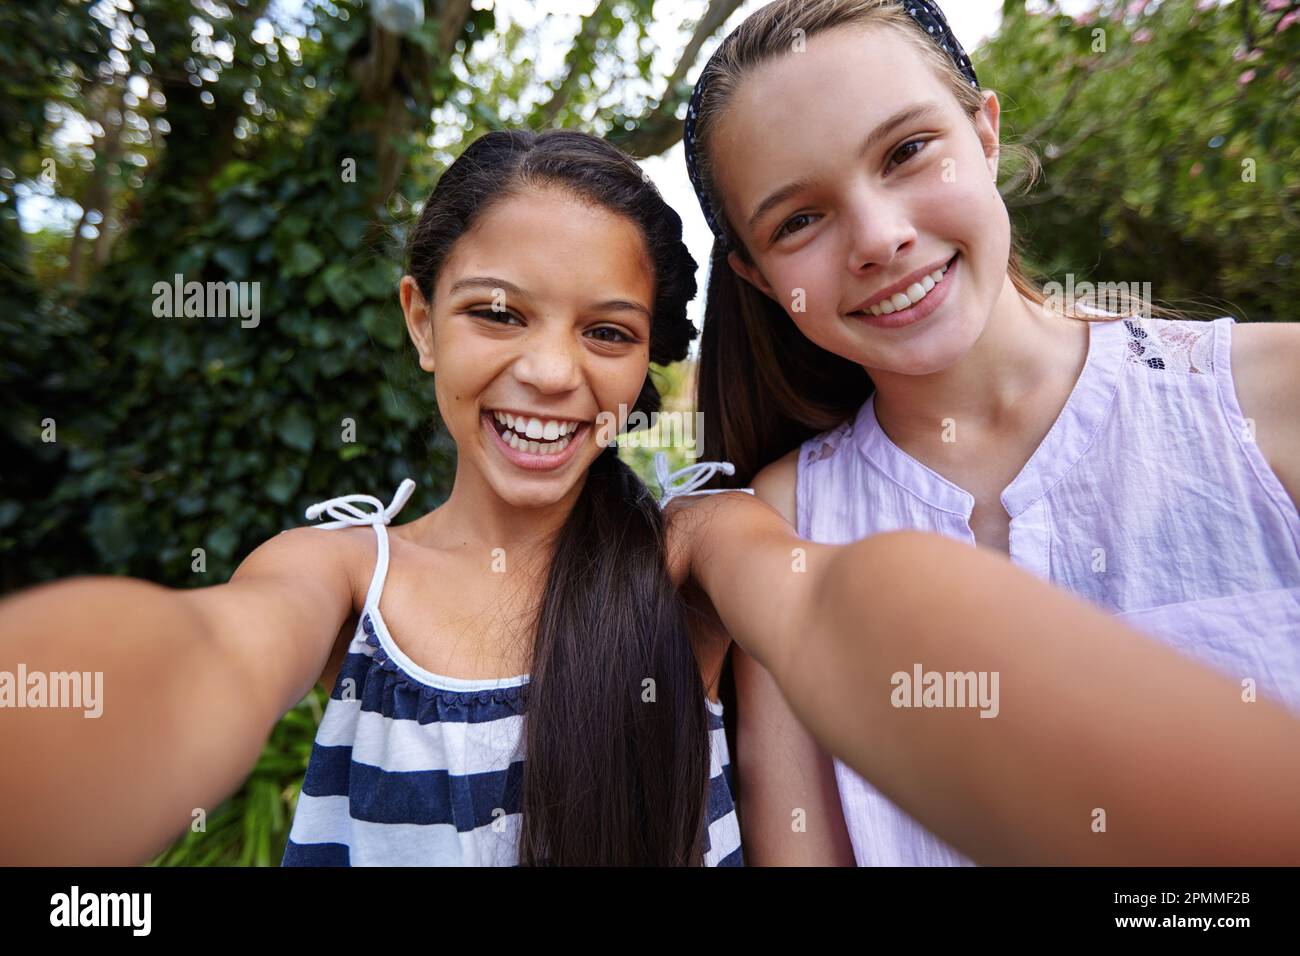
(419, 323)
(987, 126)
(749, 273)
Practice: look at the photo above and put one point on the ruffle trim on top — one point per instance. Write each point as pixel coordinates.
(512, 696)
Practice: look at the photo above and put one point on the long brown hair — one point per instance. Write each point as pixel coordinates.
(763, 387)
(609, 778)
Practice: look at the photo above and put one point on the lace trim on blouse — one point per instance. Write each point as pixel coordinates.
(830, 442)
(1171, 345)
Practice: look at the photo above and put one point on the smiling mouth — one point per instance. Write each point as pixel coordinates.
(915, 294)
(534, 436)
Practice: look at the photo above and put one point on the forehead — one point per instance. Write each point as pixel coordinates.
(557, 246)
(790, 114)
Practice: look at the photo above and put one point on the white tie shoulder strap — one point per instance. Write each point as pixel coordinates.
(685, 481)
(345, 513)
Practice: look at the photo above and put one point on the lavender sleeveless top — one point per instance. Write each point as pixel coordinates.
(1148, 497)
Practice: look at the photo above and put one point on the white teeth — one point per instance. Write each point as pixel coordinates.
(551, 431)
(542, 432)
(914, 294)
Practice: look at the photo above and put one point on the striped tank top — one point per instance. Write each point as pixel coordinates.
(412, 768)
(1148, 497)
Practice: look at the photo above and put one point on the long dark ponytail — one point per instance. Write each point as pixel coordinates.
(617, 744)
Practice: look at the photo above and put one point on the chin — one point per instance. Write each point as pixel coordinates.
(937, 350)
(522, 489)
(533, 493)
(925, 362)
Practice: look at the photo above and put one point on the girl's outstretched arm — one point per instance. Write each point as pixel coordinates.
(1100, 745)
(182, 688)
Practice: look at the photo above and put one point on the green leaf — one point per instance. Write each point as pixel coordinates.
(349, 230)
(303, 258)
(282, 484)
(296, 429)
(233, 259)
(252, 221)
(342, 287)
(223, 541)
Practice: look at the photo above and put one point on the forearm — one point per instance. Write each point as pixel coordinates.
(1091, 718)
(176, 728)
(790, 811)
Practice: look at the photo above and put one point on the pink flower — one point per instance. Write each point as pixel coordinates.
(1083, 19)
(1245, 77)
(1196, 170)
(1276, 5)
(1287, 20)
(1204, 5)
(1137, 7)
(1142, 36)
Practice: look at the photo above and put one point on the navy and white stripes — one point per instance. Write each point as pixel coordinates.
(411, 768)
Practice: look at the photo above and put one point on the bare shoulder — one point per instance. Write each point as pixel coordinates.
(1266, 373)
(691, 520)
(292, 594)
(1265, 350)
(775, 484)
(333, 557)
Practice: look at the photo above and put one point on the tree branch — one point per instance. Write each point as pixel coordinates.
(657, 130)
(387, 70)
(585, 42)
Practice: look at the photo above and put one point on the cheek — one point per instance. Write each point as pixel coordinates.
(464, 366)
(810, 288)
(618, 382)
(971, 204)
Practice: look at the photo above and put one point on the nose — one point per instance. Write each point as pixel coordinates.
(549, 360)
(879, 228)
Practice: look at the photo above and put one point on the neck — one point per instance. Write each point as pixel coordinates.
(1022, 350)
(474, 519)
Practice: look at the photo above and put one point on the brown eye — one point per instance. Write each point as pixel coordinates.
(618, 332)
(501, 318)
(786, 227)
(915, 142)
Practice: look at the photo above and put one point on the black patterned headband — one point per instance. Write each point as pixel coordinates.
(925, 12)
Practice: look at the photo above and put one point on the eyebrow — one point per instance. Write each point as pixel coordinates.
(908, 114)
(493, 283)
(487, 282)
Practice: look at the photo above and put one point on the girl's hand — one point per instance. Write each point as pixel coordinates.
(748, 560)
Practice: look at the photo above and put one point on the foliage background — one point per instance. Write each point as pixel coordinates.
(208, 137)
